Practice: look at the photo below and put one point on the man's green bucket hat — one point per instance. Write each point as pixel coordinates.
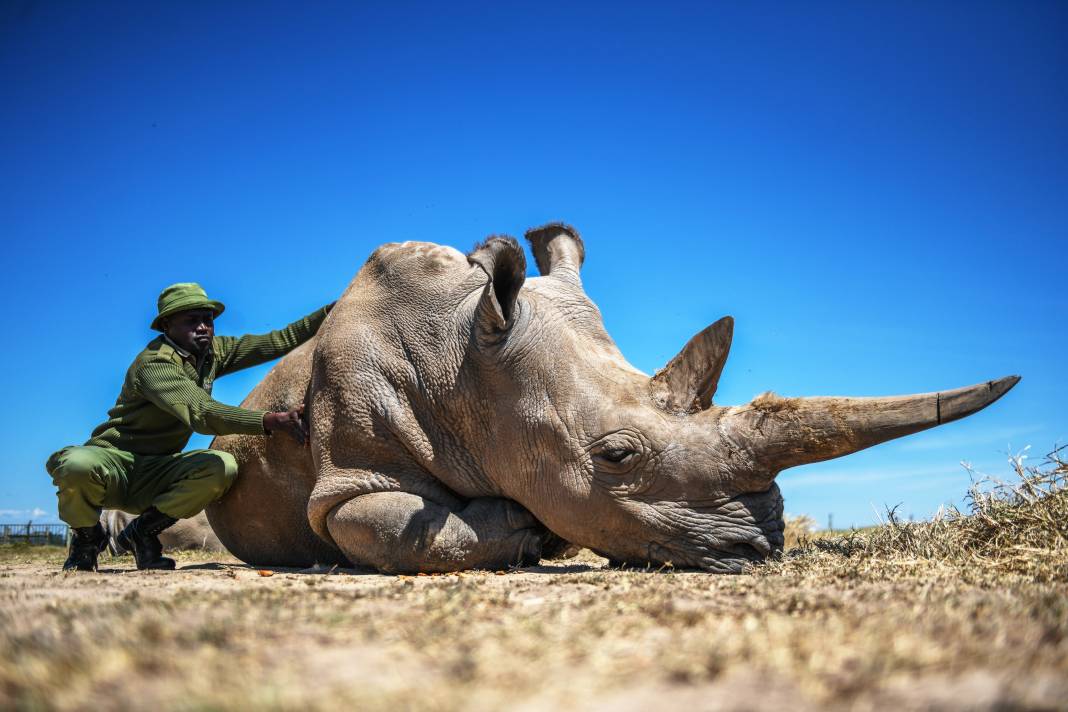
(183, 297)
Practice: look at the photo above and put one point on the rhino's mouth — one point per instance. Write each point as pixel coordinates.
(722, 538)
(735, 559)
(724, 557)
(731, 559)
(747, 552)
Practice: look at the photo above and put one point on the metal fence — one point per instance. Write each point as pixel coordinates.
(30, 533)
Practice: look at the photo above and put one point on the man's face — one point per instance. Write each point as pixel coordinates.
(192, 329)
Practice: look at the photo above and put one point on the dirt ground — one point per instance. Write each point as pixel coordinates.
(575, 635)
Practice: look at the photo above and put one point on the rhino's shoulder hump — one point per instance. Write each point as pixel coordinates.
(413, 267)
(419, 256)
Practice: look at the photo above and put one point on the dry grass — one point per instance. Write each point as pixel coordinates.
(1017, 528)
(800, 528)
(967, 612)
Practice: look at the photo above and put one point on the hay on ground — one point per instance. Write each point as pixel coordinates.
(1014, 528)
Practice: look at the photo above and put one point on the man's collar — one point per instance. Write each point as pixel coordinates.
(178, 349)
(187, 355)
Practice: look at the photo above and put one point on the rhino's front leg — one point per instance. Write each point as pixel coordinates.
(398, 532)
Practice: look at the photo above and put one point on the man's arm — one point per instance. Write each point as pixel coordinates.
(165, 384)
(235, 354)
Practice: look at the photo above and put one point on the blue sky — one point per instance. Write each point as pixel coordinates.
(875, 191)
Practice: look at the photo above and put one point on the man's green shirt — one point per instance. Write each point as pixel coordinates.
(166, 398)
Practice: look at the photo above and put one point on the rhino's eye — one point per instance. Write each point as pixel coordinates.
(616, 455)
(616, 460)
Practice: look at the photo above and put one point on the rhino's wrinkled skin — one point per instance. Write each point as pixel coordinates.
(463, 416)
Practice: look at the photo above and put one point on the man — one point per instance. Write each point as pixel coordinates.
(134, 460)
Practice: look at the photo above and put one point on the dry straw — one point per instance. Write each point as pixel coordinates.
(1014, 528)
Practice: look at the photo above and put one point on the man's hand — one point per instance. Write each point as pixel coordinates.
(291, 421)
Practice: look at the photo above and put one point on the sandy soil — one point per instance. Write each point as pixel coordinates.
(575, 635)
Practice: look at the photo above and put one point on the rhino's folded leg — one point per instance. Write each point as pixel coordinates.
(397, 532)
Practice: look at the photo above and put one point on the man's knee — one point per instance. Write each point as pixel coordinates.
(219, 469)
(74, 468)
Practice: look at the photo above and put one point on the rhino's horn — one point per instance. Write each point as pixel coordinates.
(558, 250)
(785, 432)
(689, 381)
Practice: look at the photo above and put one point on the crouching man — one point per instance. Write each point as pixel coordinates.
(134, 460)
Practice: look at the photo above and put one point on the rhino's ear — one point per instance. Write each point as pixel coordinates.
(689, 381)
(558, 250)
(502, 259)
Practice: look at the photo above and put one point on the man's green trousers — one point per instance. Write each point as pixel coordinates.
(89, 478)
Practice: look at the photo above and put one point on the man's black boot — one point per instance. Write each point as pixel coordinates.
(141, 536)
(85, 544)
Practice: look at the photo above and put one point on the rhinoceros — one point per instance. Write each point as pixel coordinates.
(464, 416)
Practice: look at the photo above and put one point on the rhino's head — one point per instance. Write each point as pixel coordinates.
(648, 470)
